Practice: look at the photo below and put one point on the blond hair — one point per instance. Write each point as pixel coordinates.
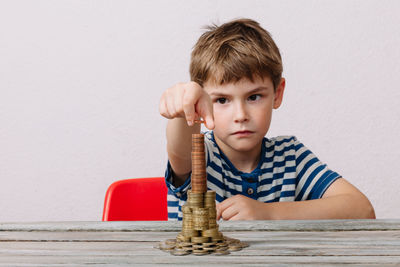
(235, 50)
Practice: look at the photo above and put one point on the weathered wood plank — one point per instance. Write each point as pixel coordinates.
(298, 225)
(192, 260)
(261, 243)
(257, 248)
(373, 237)
(283, 243)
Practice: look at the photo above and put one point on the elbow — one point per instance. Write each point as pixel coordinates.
(370, 212)
(365, 208)
(362, 208)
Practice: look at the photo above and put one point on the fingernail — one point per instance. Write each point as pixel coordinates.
(190, 123)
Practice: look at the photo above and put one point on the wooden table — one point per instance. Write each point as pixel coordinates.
(272, 243)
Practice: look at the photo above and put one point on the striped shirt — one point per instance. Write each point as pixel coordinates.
(287, 171)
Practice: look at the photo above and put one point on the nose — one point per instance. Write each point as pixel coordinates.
(240, 113)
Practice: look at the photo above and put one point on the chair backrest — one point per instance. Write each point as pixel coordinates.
(142, 199)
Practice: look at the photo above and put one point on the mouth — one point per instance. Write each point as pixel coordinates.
(243, 133)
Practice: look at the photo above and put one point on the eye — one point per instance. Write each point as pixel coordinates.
(221, 100)
(254, 97)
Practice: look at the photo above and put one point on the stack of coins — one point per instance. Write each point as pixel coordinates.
(187, 224)
(195, 200)
(200, 219)
(209, 202)
(199, 175)
(200, 234)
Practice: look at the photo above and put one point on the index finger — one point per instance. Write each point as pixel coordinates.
(205, 109)
(190, 97)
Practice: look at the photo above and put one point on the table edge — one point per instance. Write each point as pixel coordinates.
(174, 226)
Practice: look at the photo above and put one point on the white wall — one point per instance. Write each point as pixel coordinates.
(80, 83)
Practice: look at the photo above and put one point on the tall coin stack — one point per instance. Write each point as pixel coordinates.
(200, 235)
(199, 175)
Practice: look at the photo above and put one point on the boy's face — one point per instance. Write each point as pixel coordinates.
(243, 112)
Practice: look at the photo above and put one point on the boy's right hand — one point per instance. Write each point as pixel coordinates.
(189, 101)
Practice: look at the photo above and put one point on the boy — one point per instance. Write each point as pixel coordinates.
(236, 82)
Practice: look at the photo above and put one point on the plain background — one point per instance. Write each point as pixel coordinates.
(80, 83)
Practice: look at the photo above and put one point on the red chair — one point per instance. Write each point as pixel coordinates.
(143, 199)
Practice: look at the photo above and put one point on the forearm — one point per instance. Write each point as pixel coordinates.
(179, 138)
(344, 206)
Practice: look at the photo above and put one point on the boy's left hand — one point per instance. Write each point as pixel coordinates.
(239, 207)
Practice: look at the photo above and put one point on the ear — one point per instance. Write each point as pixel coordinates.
(279, 93)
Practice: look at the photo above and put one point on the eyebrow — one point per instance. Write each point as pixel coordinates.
(253, 91)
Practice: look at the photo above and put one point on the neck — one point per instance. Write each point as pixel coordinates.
(244, 161)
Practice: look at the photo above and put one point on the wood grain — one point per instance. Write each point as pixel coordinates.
(283, 243)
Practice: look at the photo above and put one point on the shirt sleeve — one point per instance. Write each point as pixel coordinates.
(312, 176)
(177, 191)
(176, 196)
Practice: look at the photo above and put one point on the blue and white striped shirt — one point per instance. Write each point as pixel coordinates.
(287, 171)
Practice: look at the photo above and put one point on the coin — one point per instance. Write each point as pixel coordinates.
(211, 224)
(211, 249)
(221, 248)
(210, 232)
(199, 188)
(221, 252)
(189, 249)
(234, 248)
(193, 195)
(197, 246)
(199, 173)
(166, 247)
(190, 232)
(209, 244)
(200, 212)
(198, 159)
(210, 194)
(198, 165)
(244, 244)
(170, 241)
(187, 220)
(179, 252)
(182, 238)
(201, 224)
(186, 244)
(198, 178)
(186, 209)
(202, 185)
(230, 240)
(199, 252)
(200, 239)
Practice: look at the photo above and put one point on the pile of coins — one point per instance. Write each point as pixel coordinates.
(200, 234)
(181, 248)
(199, 221)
